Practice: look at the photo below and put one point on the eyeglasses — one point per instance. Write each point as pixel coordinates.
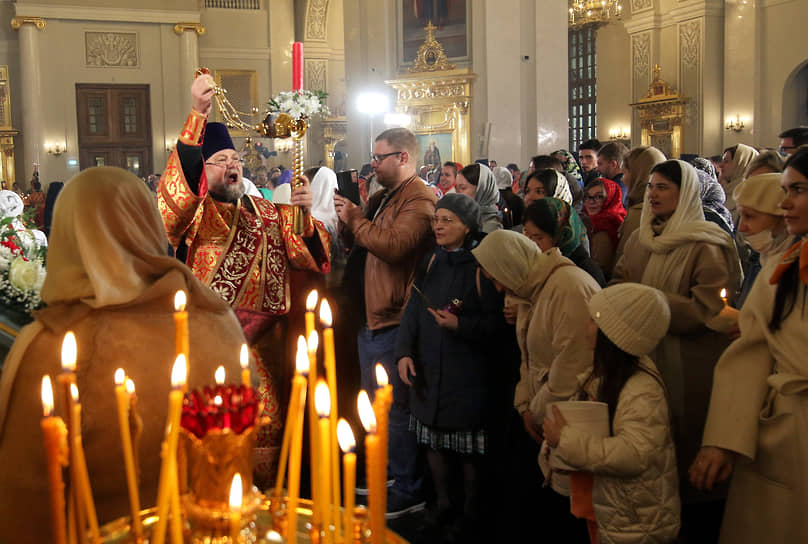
(224, 162)
(786, 149)
(379, 158)
(442, 221)
(594, 198)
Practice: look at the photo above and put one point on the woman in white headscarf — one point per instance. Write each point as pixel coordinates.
(323, 185)
(733, 167)
(477, 181)
(110, 282)
(690, 260)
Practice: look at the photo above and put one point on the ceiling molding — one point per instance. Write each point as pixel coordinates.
(105, 14)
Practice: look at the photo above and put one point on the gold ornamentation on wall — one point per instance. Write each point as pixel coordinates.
(179, 28)
(335, 130)
(438, 104)
(662, 113)
(7, 132)
(17, 22)
(431, 57)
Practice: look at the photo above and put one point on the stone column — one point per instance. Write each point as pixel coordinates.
(189, 58)
(30, 70)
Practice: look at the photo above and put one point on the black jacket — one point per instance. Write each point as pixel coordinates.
(454, 369)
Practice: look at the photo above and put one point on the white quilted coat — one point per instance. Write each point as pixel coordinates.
(636, 487)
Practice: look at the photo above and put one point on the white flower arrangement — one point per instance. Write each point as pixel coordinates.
(300, 104)
(22, 267)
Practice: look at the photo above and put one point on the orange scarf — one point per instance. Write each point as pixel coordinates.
(797, 254)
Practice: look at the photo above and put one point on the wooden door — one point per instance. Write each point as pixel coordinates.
(114, 123)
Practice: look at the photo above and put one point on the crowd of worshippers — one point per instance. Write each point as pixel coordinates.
(672, 291)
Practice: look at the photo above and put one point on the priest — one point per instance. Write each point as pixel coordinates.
(241, 247)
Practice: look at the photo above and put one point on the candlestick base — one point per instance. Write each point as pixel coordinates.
(258, 530)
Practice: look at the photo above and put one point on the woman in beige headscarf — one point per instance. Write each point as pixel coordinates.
(110, 282)
(734, 163)
(636, 172)
(690, 260)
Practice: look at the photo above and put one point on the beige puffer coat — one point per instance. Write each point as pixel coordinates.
(636, 488)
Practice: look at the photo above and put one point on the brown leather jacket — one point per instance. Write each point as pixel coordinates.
(396, 239)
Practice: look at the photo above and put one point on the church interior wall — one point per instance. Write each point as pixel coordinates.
(786, 49)
(613, 80)
(517, 49)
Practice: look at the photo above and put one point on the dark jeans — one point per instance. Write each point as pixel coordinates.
(403, 463)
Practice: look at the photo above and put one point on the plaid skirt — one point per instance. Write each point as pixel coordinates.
(464, 442)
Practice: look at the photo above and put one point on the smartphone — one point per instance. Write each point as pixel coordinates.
(348, 185)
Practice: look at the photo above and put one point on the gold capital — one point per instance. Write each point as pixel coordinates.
(18, 21)
(179, 28)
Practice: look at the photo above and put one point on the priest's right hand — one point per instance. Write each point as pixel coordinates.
(202, 93)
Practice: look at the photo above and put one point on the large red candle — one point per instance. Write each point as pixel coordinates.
(297, 66)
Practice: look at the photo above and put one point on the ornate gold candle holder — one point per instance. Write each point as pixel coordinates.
(283, 125)
(212, 461)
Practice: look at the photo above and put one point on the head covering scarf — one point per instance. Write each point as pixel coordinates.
(322, 195)
(107, 248)
(741, 159)
(641, 173)
(705, 165)
(286, 177)
(569, 232)
(562, 188)
(712, 198)
(503, 177)
(510, 258)
(487, 196)
(570, 164)
(612, 214)
(670, 248)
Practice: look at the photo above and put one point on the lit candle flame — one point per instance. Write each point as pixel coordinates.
(74, 392)
(345, 436)
(314, 341)
(325, 313)
(235, 493)
(366, 415)
(311, 300)
(381, 375)
(47, 396)
(322, 399)
(302, 357)
(130, 386)
(69, 351)
(179, 301)
(723, 294)
(179, 372)
(219, 375)
(217, 400)
(244, 358)
(120, 377)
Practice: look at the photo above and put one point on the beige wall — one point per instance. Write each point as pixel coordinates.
(614, 80)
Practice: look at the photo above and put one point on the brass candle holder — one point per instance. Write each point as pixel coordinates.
(283, 125)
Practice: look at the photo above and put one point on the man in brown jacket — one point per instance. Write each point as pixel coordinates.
(394, 233)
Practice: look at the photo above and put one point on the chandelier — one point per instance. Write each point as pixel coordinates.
(593, 12)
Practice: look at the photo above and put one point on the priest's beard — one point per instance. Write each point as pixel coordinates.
(227, 192)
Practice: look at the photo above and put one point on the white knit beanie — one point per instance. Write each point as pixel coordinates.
(633, 316)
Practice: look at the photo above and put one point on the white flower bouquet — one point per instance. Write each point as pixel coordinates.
(22, 267)
(300, 104)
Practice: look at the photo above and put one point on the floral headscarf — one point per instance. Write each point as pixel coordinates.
(569, 163)
(713, 197)
(705, 165)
